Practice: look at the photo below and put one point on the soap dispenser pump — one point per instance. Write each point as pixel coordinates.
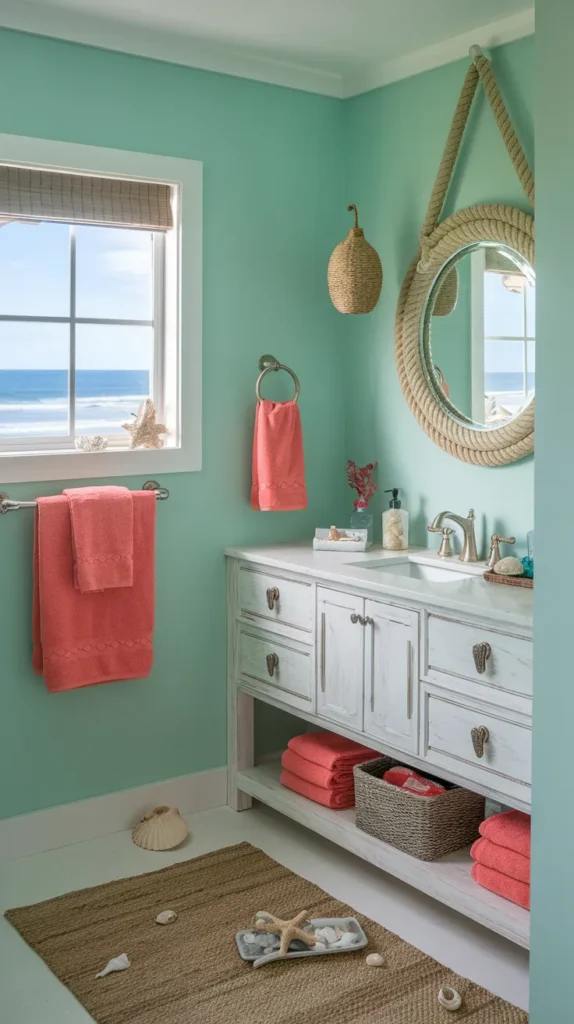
(395, 524)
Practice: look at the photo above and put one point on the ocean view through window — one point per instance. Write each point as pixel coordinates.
(79, 330)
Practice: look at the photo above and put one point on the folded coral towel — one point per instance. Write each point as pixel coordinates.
(80, 639)
(102, 537)
(330, 751)
(278, 481)
(337, 799)
(506, 861)
(315, 773)
(502, 885)
(510, 829)
(406, 778)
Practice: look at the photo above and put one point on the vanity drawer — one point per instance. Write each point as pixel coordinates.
(455, 649)
(276, 599)
(502, 762)
(278, 667)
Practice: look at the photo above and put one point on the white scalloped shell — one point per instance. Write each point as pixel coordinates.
(162, 829)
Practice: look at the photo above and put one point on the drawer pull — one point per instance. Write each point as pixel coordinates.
(272, 597)
(480, 736)
(481, 653)
(272, 663)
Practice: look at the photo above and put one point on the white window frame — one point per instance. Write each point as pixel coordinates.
(478, 338)
(178, 360)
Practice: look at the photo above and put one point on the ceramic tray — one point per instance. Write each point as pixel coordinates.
(347, 924)
(359, 543)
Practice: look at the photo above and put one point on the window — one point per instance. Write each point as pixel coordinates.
(503, 294)
(92, 317)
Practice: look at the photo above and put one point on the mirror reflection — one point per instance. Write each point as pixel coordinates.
(478, 338)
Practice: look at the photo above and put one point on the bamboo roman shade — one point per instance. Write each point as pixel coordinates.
(51, 195)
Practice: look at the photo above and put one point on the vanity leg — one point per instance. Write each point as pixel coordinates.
(240, 733)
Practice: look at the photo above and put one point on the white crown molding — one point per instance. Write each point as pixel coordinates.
(73, 26)
(50, 829)
(373, 76)
(175, 48)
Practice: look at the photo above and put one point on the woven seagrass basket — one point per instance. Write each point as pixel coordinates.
(354, 274)
(426, 827)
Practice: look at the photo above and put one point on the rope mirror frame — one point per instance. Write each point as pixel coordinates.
(439, 243)
(495, 446)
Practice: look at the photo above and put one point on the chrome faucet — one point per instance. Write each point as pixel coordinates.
(468, 553)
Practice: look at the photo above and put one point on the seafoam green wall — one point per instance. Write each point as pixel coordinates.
(552, 1000)
(394, 139)
(272, 186)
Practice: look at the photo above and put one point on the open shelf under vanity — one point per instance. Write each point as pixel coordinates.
(447, 880)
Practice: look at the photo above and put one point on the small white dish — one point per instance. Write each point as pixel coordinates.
(351, 540)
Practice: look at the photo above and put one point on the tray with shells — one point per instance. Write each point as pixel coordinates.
(332, 934)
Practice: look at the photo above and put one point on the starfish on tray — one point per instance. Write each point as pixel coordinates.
(144, 431)
(288, 930)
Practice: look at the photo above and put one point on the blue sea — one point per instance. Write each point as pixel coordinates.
(34, 403)
(498, 383)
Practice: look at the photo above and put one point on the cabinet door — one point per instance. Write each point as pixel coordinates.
(391, 660)
(340, 657)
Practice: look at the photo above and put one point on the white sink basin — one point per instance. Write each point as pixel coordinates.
(419, 571)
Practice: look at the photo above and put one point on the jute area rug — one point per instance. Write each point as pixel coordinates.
(190, 972)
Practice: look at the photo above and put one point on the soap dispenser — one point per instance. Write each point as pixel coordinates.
(395, 524)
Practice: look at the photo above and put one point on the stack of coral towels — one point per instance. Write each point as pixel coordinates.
(319, 766)
(502, 856)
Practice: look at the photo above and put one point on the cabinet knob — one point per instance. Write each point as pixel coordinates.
(481, 653)
(355, 618)
(480, 736)
(272, 663)
(272, 597)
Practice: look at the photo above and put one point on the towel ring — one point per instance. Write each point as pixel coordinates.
(266, 365)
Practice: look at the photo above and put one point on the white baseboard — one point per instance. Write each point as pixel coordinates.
(49, 829)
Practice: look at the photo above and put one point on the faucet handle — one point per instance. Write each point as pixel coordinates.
(495, 541)
(434, 529)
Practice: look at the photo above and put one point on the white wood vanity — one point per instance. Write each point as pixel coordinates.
(434, 671)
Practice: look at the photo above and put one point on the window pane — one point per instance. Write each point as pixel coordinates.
(503, 309)
(113, 375)
(531, 355)
(504, 366)
(114, 273)
(33, 379)
(34, 269)
(531, 311)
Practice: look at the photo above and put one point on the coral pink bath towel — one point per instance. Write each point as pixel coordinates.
(330, 751)
(337, 799)
(80, 639)
(511, 829)
(102, 537)
(278, 478)
(502, 885)
(315, 773)
(506, 861)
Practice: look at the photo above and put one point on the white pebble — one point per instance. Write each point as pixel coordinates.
(375, 960)
(166, 917)
(347, 939)
(320, 947)
(327, 934)
(449, 998)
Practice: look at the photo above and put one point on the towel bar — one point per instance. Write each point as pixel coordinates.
(7, 505)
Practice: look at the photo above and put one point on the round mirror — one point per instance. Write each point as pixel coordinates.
(478, 335)
(464, 335)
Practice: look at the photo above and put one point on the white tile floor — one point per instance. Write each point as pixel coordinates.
(30, 994)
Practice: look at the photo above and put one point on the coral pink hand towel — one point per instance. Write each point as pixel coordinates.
(80, 639)
(278, 478)
(337, 799)
(510, 829)
(331, 751)
(315, 774)
(506, 861)
(102, 537)
(502, 885)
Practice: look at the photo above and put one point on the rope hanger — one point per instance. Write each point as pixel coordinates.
(479, 70)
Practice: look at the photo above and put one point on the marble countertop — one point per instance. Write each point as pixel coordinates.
(502, 605)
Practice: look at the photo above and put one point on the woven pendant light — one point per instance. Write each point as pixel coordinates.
(447, 297)
(355, 274)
